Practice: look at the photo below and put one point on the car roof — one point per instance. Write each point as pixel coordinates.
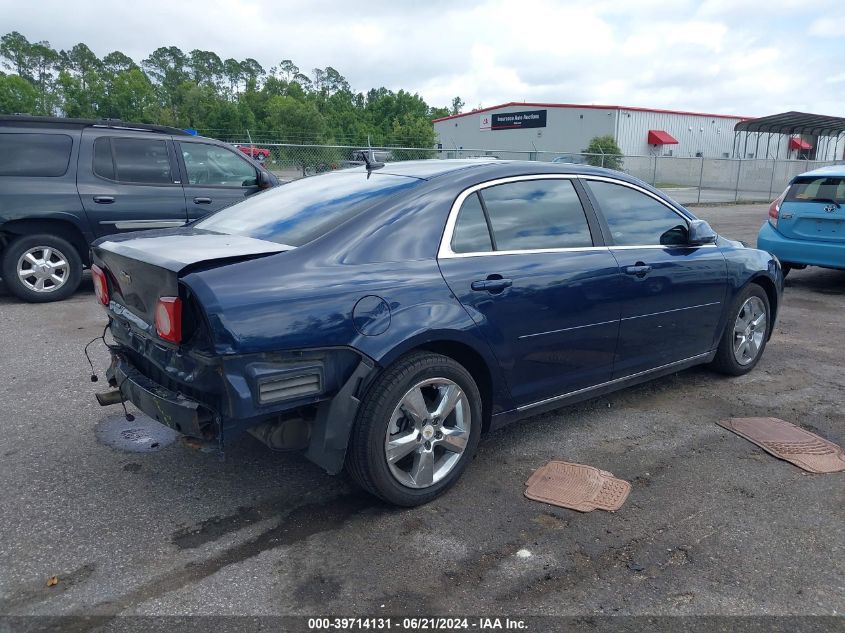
(830, 170)
(70, 123)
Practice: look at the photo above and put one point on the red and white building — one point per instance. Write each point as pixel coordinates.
(565, 128)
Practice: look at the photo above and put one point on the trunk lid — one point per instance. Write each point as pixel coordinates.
(814, 209)
(142, 267)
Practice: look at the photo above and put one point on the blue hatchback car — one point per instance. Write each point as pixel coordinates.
(806, 225)
(384, 317)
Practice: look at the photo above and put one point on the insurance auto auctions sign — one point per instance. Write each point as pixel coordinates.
(517, 120)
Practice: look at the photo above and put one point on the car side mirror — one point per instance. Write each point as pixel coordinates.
(700, 233)
(264, 181)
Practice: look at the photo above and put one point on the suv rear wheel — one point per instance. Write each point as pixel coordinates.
(40, 268)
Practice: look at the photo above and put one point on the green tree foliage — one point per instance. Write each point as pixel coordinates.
(80, 81)
(131, 96)
(219, 97)
(116, 62)
(457, 105)
(16, 52)
(604, 152)
(17, 95)
(206, 68)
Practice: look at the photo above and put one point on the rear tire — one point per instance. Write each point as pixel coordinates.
(746, 332)
(55, 264)
(425, 410)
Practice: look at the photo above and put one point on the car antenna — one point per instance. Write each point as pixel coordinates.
(371, 162)
(368, 157)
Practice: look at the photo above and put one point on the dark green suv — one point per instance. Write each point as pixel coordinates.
(66, 182)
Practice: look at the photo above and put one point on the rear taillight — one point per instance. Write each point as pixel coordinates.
(101, 285)
(168, 319)
(774, 208)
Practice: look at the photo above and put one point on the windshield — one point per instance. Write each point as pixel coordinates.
(303, 210)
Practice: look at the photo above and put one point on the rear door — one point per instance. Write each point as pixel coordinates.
(526, 259)
(813, 209)
(129, 181)
(671, 293)
(215, 176)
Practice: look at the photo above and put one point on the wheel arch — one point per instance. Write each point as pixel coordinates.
(769, 288)
(475, 364)
(64, 229)
(465, 352)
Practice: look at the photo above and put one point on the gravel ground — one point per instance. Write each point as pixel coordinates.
(713, 525)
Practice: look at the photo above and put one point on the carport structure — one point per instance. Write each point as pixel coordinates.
(811, 133)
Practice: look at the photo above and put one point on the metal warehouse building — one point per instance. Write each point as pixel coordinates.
(543, 130)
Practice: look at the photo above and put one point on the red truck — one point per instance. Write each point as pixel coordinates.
(258, 153)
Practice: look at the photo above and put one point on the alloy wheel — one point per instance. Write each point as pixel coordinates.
(43, 269)
(749, 330)
(428, 432)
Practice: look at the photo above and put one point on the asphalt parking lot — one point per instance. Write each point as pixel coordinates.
(713, 525)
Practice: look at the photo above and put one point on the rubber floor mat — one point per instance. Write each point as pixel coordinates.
(789, 442)
(577, 487)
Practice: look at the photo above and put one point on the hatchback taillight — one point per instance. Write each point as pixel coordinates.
(774, 208)
(168, 319)
(101, 284)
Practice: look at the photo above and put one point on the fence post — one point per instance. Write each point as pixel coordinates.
(700, 177)
(654, 173)
(738, 172)
(602, 159)
(772, 181)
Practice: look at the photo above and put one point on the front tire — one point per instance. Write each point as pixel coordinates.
(417, 428)
(746, 332)
(41, 268)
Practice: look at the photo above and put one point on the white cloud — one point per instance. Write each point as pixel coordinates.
(718, 55)
(827, 27)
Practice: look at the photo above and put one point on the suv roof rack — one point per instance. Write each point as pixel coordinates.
(80, 123)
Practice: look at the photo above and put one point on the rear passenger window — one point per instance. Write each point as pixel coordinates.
(471, 234)
(34, 154)
(536, 214)
(140, 160)
(636, 219)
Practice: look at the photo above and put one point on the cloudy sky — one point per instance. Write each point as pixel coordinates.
(746, 57)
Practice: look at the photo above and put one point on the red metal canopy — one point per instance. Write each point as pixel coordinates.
(659, 137)
(799, 143)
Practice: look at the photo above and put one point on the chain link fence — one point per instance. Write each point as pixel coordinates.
(687, 180)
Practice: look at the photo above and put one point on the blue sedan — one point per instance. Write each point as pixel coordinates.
(384, 318)
(806, 224)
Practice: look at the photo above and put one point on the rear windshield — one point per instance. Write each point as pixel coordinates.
(303, 210)
(818, 189)
(34, 154)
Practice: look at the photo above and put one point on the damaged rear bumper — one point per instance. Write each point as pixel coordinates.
(332, 412)
(167, 407)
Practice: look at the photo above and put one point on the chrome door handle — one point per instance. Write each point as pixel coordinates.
(491, 285)
(639, 270)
